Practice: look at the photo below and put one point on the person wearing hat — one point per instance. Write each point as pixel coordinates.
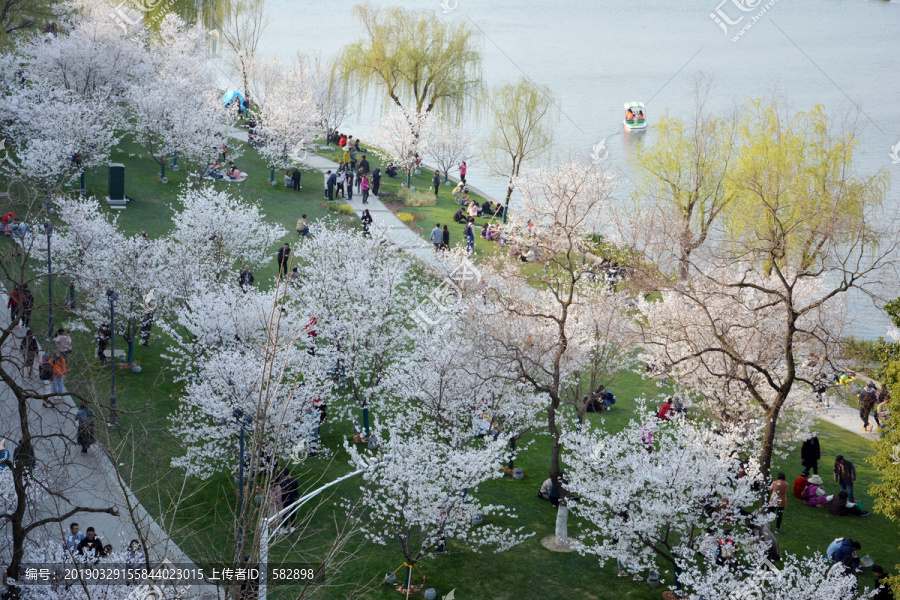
(810, 453)
(814, 493)
(845, 475)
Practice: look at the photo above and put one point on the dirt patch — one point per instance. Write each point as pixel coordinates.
(550, 544)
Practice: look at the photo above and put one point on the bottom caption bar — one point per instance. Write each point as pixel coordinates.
(166, 574)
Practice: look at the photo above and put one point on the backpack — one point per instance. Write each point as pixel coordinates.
(45, 371)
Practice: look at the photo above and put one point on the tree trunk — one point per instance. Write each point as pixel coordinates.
(562, 525)
(556, 473)
(765, 455)
(509, 191)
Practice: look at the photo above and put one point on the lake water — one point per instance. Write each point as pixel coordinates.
(599, 54)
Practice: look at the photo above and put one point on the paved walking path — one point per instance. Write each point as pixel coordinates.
(86, 480)
(847, 417)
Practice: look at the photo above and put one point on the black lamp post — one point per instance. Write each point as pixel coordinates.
(48, 227)
(242, 421)
(112, 297)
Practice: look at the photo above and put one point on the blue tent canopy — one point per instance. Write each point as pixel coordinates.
(230, 95)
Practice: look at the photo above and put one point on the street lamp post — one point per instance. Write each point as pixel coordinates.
(112, 297)
(242, 421)
(288, 511)
(48, 227)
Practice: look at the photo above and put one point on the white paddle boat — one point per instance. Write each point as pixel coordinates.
(636, 122)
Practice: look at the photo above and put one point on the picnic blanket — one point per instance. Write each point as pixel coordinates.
(211, 178)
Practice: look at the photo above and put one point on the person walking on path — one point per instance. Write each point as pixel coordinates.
(445, 239)
(366, 220)
(58, 364)
(302, 226)
(462, 171)
(295, 178)
(845, 475)
(63, 343)
(436, 182)
(13, 305)
(364, 187)
(778, 499)
(29, 348)
(469, 232)
(376, 182)
(284, 259)
(810, 453)
(866, 400)
(27, 305)
(437, 236)
(349, 184)
(84, 419)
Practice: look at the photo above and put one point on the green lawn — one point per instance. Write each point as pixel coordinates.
(525, 572)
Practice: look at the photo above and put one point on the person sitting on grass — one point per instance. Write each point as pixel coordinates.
(474, 210)
(391, 170)
(459, 217)
(486, 208)
(814, 494)
(288, 182)
(458, 191)
(235, 173)
(882, 587)
(484, 230)
(840, 506)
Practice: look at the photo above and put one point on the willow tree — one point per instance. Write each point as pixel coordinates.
(420, 62)
(682, 186)
(241, 30)
(524, 114)
(797, 194)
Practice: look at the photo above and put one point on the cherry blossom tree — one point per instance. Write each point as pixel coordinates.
(399, 137)
(549, 322)
(288, 118)
(239, 353)
(362, 295)
(93, 57)
(715, 336)
(448, 146)
(748, 576)
(59, 135)
(652, 489)
(177, 108)
(426, 492)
